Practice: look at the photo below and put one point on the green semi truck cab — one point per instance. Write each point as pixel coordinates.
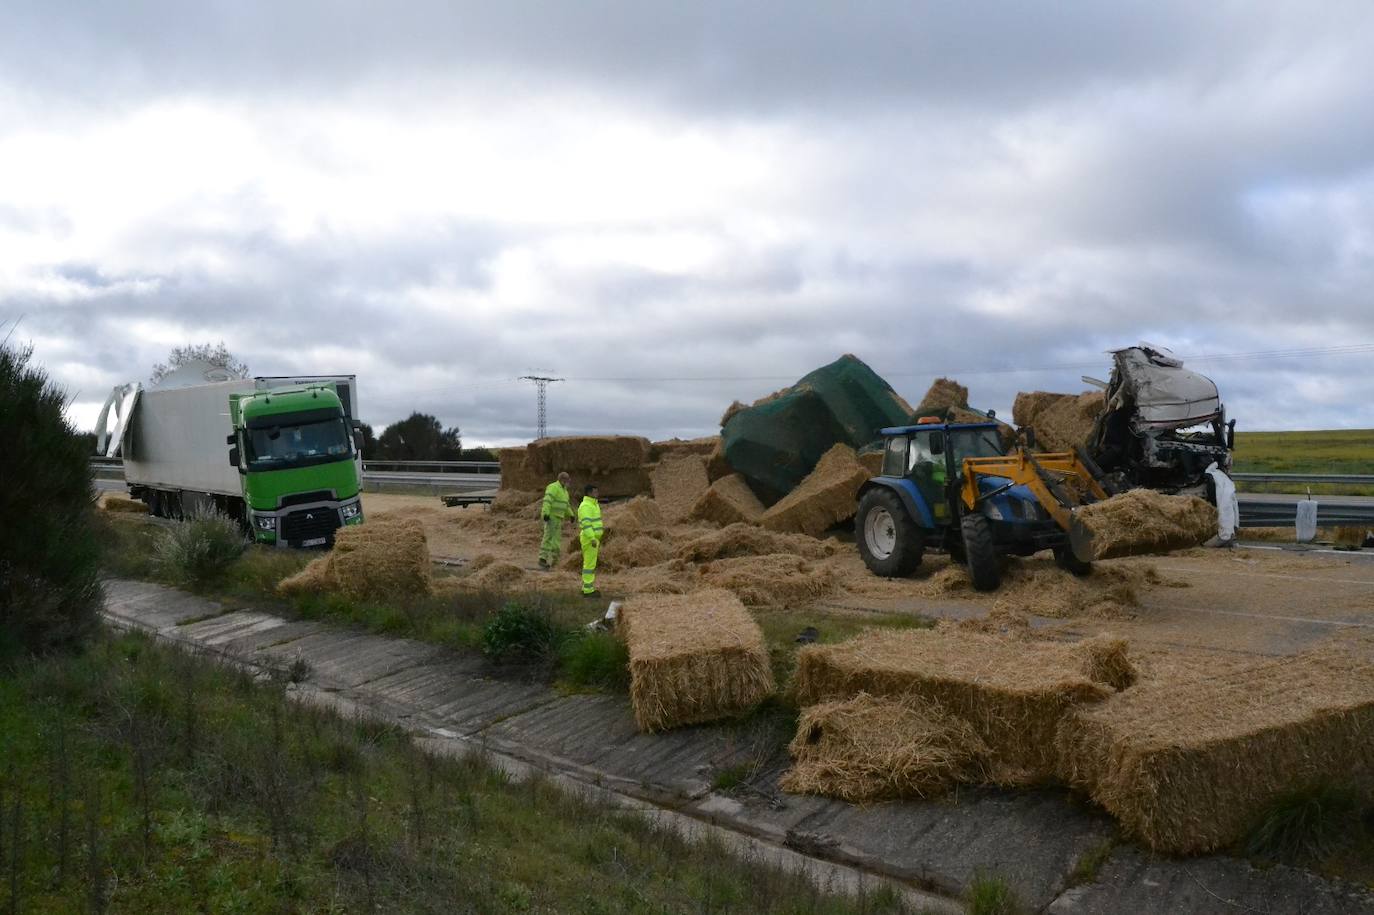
(296, 455)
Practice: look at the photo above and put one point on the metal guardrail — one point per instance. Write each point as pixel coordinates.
(1283, 511)
(1303, 479)
(439, 466)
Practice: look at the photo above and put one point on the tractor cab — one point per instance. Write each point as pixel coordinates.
(954, 487)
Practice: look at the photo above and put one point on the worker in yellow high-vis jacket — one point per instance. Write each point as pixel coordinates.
(556, 509)
(589, 531)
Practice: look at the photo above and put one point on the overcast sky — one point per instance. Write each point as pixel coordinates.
(440, 197)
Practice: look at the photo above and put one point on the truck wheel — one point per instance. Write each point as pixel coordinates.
(984, 564)
(154, 502)
(1066, 560)
(889, 542)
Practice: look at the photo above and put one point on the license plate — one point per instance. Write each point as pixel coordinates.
(315, 541)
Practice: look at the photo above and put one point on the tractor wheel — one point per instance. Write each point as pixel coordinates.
(889, 541)
(980, 550)
(1066, 560)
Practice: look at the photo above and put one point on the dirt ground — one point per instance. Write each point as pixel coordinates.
(1261, 601)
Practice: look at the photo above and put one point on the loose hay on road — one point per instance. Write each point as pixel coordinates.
(827, 496)
(779, 580)
(1143, 521)
(122, 505)
(516, 502)
(693, 658)
(1013, 692)
(1189, 766)
(869, 748)
(727, 501)
(747, 540)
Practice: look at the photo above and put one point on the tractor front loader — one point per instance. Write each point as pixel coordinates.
(954, 487)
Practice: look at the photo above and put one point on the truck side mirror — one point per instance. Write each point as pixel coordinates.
(234, 456)
(1231, 435)
(229, 439)
(358, 440)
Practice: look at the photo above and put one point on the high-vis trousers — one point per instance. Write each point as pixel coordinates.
(552, 544)
(589, 554)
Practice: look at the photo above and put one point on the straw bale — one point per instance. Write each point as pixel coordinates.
(943, 394)
(873, 462)
(1189, 766)
(516, 472)
(827, 496)
(777, 580)
(1062, 422)
(516, 502)
(728, 500)
(868, 749)
(677, 447)
(638, 515)
(1011, 691)
(591, 454)
(693, 658)
(678, 483)
(1144, 521)
(1030, 404)
(747, 540)
(123, 505)
(385, 558)
(730, 411)
(1105, 659)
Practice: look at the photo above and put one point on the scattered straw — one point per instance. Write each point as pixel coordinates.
(693, 658)
(678, 483)
(1105, 659)
(517, 502)
(780, 580)
(827, 496)
(1011, 691)
(1144, 521)
(123, 505)
(728, 500)
(498, 576)
(868, 748)
(1189, 766)
(747, 540)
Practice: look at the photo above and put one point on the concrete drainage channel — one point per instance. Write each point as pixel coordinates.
(165, 614)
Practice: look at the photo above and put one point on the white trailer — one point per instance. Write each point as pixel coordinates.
(173, 437)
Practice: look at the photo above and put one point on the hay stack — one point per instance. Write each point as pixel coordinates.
(776, 580)
(943, 394)
(517, 473)
(594, 454)
(385, 558)
(826, 497)
(693, 658)
(747, 540)
(727, 501)
(1189, 766)
(122, 505)
(678, 483)
(678, 447)
(1062, 422)
(868, 749)
(1144, 521)
(1012, 692)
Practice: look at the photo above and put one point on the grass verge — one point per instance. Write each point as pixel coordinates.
(142, 779)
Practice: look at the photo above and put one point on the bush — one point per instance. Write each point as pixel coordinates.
(50, 591)
(201, 548)
(595, 659)
(520, 633)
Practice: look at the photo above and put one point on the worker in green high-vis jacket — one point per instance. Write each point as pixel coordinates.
(589, 533)
(555, 509)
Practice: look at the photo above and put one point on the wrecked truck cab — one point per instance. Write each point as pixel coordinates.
(1163, 425)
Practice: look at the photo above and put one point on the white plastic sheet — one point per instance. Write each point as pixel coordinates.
(1307, 521)
(1228, 508)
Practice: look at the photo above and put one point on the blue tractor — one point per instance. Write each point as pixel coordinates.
(955, 487)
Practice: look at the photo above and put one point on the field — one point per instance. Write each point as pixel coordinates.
(1346, 451)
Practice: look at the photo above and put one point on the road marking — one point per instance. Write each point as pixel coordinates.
(1250, 573)
(1262, 616)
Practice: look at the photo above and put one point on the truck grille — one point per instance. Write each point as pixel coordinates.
(309, 524)
(305, 498)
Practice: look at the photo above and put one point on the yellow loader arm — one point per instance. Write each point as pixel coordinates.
(1059, 480)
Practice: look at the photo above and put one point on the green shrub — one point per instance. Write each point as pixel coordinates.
(987, 895)
(594, 659)
(50, 591)
(201, 548)
(521, 633)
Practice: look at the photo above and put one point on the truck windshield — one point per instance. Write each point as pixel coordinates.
(298, 445)
(969, 443)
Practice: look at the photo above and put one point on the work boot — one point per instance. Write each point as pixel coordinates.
(543, 563)
(591, 593)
